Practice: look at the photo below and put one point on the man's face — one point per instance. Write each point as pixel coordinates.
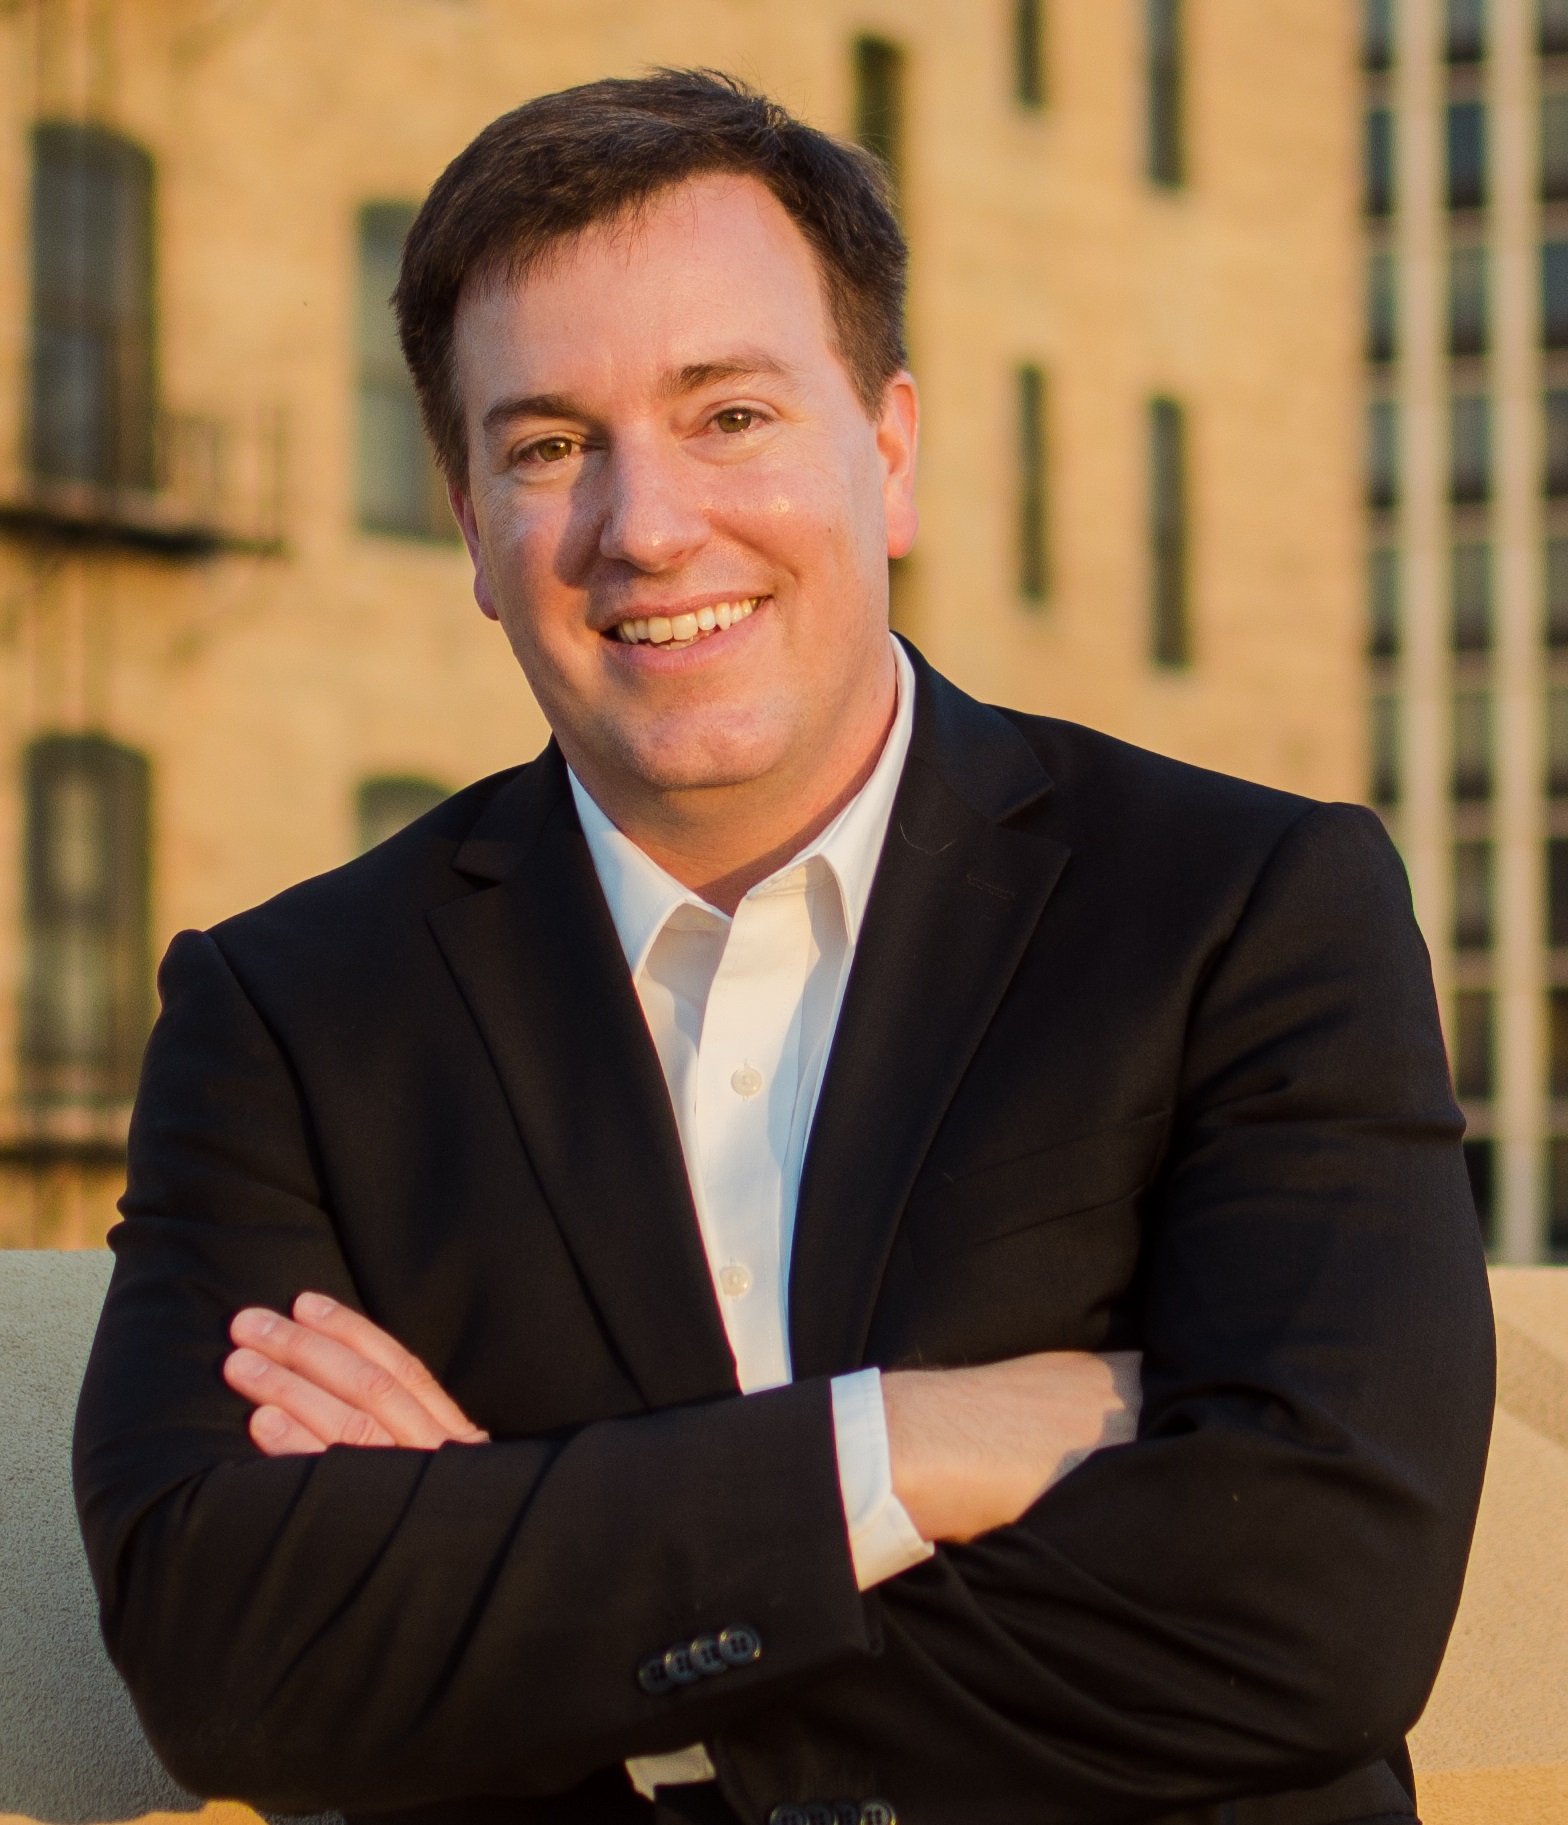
(662, 439)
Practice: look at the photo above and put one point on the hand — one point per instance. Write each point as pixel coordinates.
(971, 1449)
(331, 1377)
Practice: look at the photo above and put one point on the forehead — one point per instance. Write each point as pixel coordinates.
(715, 260)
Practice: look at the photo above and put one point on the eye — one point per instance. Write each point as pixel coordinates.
(736, 418)
(549, 450)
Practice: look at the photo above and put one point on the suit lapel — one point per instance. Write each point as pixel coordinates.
(958, 893)
(535, 955)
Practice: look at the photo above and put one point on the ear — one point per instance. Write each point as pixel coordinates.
(463, 512)
(898, 439)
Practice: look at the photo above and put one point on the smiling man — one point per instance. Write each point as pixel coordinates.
(821, 1253)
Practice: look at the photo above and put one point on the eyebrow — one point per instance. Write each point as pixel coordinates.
(688, 379)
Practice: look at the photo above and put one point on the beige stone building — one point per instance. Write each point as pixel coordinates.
(236, 634)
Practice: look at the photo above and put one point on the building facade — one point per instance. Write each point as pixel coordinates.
(237, 640)
(1466, 205)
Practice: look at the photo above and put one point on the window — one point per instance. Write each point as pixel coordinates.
(1472, 750)
(1473, 896)
(1382, 308)
(1554, 26)
(1554, 147)
(85, 1003)
(383, 806)
(1557, 742)
(1379, 153)
(1557, 1043)
(1377, 34)
(1470, 592)
(1034, 555)
(1166, 126)
(1473, 1044)
(1556, 478)
(1383, 602)
(879, 104)
(1467, 301)
(1029, 53)
(1557, 893)
(1554, 294)
(1383, 453)
(1557, 1202)
(1466, 31)
(1470, 447)
(401, 491)
(94, 399)
(1170, 634)
(1385, 750)
(1479, 1167)
(1556, 568)
(1466, 154)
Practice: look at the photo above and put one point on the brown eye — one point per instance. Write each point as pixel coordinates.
(737, 418)
(551, 450)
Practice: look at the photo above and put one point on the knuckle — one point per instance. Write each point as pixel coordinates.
(379, 1385)
(358, 1429)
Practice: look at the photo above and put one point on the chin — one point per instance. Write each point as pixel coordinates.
(689, 759)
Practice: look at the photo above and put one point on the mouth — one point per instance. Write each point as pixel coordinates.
(686, 628)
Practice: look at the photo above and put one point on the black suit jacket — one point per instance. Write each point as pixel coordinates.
(1132, 1056)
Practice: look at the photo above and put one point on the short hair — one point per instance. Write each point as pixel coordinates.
(560, 163)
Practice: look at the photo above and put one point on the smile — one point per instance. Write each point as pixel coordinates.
(684, 629)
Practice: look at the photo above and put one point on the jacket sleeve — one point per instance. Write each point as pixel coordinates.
(1254, 1597)
(372, 1628)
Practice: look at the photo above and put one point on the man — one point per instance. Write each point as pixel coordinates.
(576, 1161)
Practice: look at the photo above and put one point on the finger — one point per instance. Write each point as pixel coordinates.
(334, 1369)
(277, 1435)
(356, 1332)
(333, 1421)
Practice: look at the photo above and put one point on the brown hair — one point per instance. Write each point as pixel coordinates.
(557, 164)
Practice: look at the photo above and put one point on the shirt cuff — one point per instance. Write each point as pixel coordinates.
(882, 1538)
(681, 1768)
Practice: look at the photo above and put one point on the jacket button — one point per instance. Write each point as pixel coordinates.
(706, 1658)
(823, 1812)
(847, 1812)
(740, 1646)
(652, 1677)
(877, 1812)
(678, 1665)
(787, 1815)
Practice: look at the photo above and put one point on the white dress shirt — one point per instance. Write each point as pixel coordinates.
(742, 1012)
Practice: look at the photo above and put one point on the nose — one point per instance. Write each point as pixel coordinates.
(653, 518)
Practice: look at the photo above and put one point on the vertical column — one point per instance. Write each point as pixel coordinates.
(1426, 670)
(1519, 677)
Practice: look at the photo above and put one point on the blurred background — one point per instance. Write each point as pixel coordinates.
(1242, 333)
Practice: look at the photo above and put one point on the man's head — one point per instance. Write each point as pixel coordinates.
(656, 328)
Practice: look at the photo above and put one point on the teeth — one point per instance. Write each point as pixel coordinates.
(681, 630)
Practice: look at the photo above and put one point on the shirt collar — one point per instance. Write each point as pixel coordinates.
(642, 896)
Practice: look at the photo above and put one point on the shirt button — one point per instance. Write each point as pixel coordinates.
(734, 1280)
(747, 1081)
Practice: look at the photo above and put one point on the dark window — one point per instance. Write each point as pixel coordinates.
(1554, 294)
(879, 104)
(1029, 53)
(1385, 750)
(1556, 477)
(1379, 149)
(1554, 148)
(1557, 742)
(1470, 447)
(1557, 592)
(88, 971)
(1467, 301)
(1466, 154)
(1557, 893)
(1034, 552)
(1472, 751)
(383, 806)
(1383, 602)
(1377, 34)
(1479, 1167)
(1466, 31)
(1382, 308)
(1167, 125)
(1170, 631)
(94, 392)
(1472, 1044)
(1554, 26)
(1382, 453)
(1471, 594)
(1557, 1043)
(1472, 896)
(1557, 1201)
(401, 490)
